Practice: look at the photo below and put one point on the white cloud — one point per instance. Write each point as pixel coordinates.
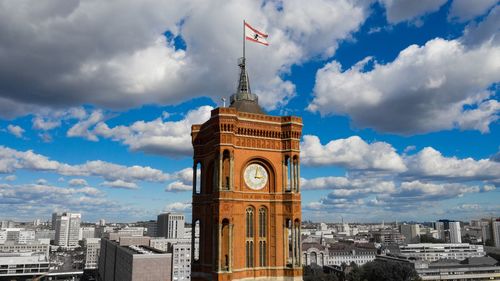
(172, 138)
(464, 10)
(120, 184)
(15, 130)
(442, 94)
(42, 182)
(407, 10)
(352, 153)
(178, 186)
(430, 163)
(12, 160)
(10, 178)
(77, 182)
(83, 127)
(46, 119)
(177, 207)
(126, 62)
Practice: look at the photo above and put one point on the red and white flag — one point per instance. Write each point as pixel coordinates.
(254, 35)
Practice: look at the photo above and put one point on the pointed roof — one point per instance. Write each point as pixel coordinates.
(244, 100)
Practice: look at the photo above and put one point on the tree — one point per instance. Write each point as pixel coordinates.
(315, 272)
(388, 271)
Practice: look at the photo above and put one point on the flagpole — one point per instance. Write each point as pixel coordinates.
(243, 41)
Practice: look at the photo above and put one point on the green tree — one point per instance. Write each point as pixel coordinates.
(388, 271)
(315, 272)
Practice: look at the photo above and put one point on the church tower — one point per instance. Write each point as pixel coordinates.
(246, 192)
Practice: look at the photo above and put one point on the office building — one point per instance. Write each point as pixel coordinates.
(92, 250)
(7, 224)
(87, 232)
(411, 232)
(439, 226)
(67, 230)
(152, 228)
(388, 236)
(495, 225)
(136, 262)
(170, 225)
(54, 220)
(19, 235)
(33, 247)
(455, 232)
(437, 251)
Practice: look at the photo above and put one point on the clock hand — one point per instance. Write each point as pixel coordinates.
(257, 174)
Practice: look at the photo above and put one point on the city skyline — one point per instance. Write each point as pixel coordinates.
(400, 104)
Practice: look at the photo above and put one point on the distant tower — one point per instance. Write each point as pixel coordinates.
(67, 229)
(246, 201)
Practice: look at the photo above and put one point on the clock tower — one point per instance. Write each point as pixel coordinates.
(246, 192)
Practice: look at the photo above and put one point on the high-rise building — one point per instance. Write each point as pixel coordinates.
(496, 233)
(455, 233)
(411, 232)
(170, 225)
(439, 226)
(152, 228)
(67, 229)
(102, 222)
(54, 220)
(246, 201)
(92, 249)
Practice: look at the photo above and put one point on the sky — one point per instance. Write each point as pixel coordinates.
(399, 99)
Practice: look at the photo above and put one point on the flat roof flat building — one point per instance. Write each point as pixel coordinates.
(133, 262)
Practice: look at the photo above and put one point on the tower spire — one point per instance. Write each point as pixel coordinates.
(243, 99)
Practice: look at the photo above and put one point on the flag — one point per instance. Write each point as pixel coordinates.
(254, 35)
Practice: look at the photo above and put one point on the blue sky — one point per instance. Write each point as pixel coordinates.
(400, 103)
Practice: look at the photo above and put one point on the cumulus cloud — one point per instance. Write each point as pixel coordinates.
(430, 163)
(184, 180)
(15, 130)
(24, 200)
(128, 61)
(441, 94)
(464, 10)
(12, 160)
(408, 10)
(177, 207)
(120, 184)
(171, 138)
(83, 127)
(46, 119)
(352, 153)
(370, 195)
(10, 178)
(77, 182)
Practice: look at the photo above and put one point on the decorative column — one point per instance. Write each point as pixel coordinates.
(221, 157)
(230, 266)
(231, 171)
(219, 250)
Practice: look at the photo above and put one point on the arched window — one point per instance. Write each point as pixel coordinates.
(314, 258)
(249, 222)
(262, 236)
(226, 175)
(225, 238)
(262, 253)
(249, 253)
(197, 178)
(288, 174)
(262, 222)
(249, 246)
(196, 241)
(296, 176)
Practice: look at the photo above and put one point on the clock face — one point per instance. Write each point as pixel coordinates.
(255, 176)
